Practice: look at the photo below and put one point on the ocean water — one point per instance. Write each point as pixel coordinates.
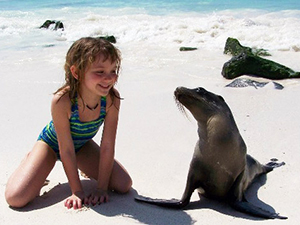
(272, 24)
(205, 24)
(155, 6)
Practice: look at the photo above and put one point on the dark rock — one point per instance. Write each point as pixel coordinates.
(111, 39)
(187, 49)
(260, 52)
(58, 24)
(48, 45)
(248, 64)
(233, 47)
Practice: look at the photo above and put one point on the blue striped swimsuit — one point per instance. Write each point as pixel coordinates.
(81, 132)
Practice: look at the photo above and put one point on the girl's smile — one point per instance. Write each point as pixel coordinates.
(100, 77)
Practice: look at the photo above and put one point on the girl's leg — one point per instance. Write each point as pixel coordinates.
(88, 163)
(28, 179)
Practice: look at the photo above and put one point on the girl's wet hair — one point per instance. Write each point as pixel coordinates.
(82, 54)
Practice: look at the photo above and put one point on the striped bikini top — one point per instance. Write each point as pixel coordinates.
(81, 132)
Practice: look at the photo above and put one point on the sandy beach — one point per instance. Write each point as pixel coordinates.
(155, 140)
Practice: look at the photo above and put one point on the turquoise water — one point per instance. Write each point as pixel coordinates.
(270, 24)
(155, 6)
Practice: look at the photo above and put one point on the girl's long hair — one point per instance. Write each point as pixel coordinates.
(82, 54)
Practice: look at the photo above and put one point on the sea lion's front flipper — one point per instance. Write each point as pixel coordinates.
(191, 184)
(173, 203)
(246, 207)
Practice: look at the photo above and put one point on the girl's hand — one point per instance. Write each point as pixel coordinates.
(99, 196)
(75, 200)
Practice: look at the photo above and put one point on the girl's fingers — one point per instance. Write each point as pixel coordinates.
(74, 203)
(86, 201)
(91, 199)
(102, 199)
(80, 203)
(95, 200)
(68, 203)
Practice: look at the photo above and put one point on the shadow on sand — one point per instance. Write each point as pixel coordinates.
(125, 205)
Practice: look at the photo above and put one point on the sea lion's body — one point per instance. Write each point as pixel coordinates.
(220, 168)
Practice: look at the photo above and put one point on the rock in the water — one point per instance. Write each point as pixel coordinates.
(111, 39)
(57, 24)
(249, 64)
(187, 49)
(233, 47)
(245, 61)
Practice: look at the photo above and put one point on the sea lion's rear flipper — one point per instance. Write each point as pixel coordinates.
(238, 201)
(246, 207)
(173, 203)
(273, 164)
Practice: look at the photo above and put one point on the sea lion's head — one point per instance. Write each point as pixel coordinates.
(201, 103)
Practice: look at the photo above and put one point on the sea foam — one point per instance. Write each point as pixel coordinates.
(257, 28)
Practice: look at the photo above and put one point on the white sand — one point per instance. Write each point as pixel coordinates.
(155, 141)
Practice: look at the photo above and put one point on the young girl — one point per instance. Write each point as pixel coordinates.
(79, 107)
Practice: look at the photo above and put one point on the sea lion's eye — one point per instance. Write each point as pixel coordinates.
(200, 90)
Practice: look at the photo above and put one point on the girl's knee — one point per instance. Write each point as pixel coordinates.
(17, 195)
(15, 199)
(129, 184)
(125, 185)
(120, 180)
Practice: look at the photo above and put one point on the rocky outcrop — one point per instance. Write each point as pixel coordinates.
(57, 24)
(245, 61)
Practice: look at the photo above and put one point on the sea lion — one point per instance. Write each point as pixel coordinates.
(220, 168)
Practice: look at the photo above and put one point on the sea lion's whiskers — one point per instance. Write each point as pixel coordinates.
(181, 107)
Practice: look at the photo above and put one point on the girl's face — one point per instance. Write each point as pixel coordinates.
(100, 77)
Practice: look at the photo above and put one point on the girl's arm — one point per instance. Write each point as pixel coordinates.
(107, 149)
(61, 110)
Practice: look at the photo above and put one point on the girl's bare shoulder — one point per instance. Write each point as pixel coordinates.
(61, 101)
(113, 100)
